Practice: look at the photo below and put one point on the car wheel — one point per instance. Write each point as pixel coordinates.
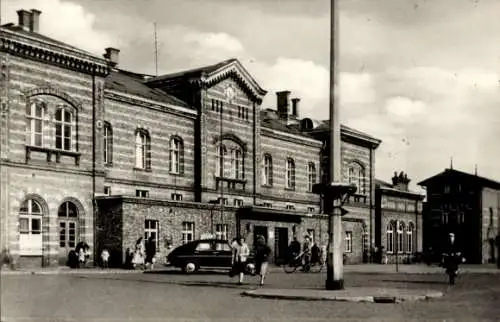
(189, 268)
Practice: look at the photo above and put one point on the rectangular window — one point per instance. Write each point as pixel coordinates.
(446, 188)
(290, 207)
(391, 204)
(107, 190)
(348, 242)
(267, 205)
(238, 202)
(187, 232)
(142, 193)
(34, 124)
(223, 201)
(383, 202)
(221, 231)
(176, 196)
(151, 228)
(311, 176)
(64, 125)
(410, 207)
(311, 210)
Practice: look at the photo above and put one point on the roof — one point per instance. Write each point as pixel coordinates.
(51, 41)
(270, 119)
(383, 183)
(485, 182)
(199, 71)
(131, 83)
(389, 188)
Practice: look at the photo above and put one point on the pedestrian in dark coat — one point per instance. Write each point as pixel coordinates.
(262, 252)
(150, 252)
(452, 258)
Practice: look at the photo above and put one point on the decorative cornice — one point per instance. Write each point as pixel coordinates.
(48, 90)
(50, 168)
(139, 101)
(163, 202)
(149, 184)
(12, 43)
(232, 137)
(233, 74)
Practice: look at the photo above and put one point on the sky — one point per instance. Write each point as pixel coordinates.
(420, 75)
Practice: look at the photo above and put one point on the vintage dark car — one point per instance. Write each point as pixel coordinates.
(204, 253)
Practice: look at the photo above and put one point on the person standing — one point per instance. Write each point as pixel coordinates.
(150, 252)
(139, 253)
(262, 252)
(104, 258)
(452, 259)
(240, 257)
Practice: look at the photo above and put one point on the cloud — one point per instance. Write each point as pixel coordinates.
(404, 107)
(64, 21)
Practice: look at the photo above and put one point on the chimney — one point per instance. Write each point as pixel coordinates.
(112, 55)
(295, 107)
(24, 19)
(283, 103)
(401, 181)
(35, 20)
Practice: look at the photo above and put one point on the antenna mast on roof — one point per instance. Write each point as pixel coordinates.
(475, 169)
(156, 52)
(451, 163)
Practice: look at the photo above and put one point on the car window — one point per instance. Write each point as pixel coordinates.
(203, 246)
(222, 247)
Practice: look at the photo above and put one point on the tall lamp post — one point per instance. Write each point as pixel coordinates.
(335, 191)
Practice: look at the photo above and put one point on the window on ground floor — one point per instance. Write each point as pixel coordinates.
(348, 242)
(68, 219)
(187, 231)
(30, 228)
(151, 229)
(221, 231)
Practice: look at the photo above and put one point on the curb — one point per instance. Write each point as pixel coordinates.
(357, 299)
(71, 272)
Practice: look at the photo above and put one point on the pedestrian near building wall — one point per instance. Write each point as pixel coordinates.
(262, 252)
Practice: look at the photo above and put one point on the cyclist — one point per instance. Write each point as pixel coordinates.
(294, 248)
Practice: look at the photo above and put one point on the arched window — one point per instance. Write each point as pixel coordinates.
(107, 144)
(237, 164)
(142, 149)
(68, 220)
(390, 237)
(220, 156)
(35, 113)
(311, 176)
(409, 238)
(64, 122)
(357, 177)
(399, 240)
(267, 171)
(176, 155)
(290, 173)
(30, 228)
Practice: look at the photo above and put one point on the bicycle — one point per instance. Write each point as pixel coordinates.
(298, 261)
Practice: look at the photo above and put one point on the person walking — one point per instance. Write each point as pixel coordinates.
(262, 252)
(150, 252)
(452, 259)
(240, 257)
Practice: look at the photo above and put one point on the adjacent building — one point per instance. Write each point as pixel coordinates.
(91, 152)
(398, 219)
(467, 205)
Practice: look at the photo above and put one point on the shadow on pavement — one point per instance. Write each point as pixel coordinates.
(179, 272)
(217, 284)
(416, 282)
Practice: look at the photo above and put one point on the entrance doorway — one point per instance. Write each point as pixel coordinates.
(280, 244)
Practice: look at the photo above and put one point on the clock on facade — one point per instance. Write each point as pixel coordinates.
(230, 93)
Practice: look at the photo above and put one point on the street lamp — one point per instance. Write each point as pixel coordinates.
(335, 192)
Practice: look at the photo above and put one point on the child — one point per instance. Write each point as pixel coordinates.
(105, 258)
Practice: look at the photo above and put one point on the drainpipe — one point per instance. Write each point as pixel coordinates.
(94, 207)
(372, 195)
(254, 155)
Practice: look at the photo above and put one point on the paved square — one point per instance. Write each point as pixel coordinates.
(216, 297)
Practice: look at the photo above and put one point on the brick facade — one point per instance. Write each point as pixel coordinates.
(109, 107)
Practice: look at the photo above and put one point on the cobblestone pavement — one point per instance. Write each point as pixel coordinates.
(216, 297)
